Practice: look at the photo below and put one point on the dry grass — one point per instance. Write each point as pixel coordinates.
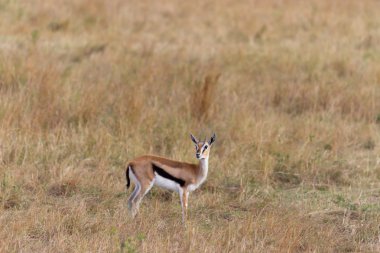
(292, 89)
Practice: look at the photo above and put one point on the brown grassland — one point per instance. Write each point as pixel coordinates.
(291, 88)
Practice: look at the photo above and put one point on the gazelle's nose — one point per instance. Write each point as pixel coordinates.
(198, 155)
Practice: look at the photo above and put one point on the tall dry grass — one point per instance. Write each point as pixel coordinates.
(290, 87)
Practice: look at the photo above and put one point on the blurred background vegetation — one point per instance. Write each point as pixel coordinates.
(291, 88)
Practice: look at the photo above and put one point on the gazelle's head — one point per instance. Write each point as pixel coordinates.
(202, 148)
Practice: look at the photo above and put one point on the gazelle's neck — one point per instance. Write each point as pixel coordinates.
(203, 167)
(202, 174)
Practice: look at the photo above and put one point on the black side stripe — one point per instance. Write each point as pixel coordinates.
(166, 175)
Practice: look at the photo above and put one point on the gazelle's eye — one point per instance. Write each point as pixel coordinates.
(205, 148)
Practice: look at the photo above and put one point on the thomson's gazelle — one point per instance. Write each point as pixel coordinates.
(146, 171)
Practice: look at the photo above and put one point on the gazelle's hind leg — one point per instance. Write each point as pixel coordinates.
(145, 188)
(133, 196)
(136, 191)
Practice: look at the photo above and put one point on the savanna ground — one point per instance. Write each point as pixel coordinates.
(291, 88)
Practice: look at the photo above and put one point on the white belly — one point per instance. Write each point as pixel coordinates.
(166, 183)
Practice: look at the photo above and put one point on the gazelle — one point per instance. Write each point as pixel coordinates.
(146, 171)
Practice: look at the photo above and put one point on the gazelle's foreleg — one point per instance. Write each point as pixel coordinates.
(183, 195)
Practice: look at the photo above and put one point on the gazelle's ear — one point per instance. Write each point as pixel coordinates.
(193, 139)
(212, 140)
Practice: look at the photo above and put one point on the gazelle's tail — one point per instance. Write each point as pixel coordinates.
(127, 176)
